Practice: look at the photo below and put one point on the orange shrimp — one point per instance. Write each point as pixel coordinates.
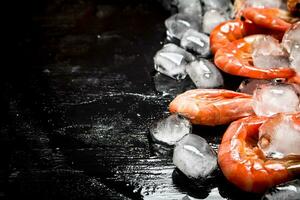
(232, 30)
(236, 59)
(244, 164)
(272, 18)
(294, 79)
(212, 106)
(249, 21)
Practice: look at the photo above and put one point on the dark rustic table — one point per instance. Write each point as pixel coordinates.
(78, 99)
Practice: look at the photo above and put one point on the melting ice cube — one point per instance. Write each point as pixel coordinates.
(267, 53)
(171, 61)
(190, 7)
(179, 23)
(194, 157)
(279, 137)
(291, 37)
(249, 85)
(222, 5)
(196, 42)
(211, 19)
(263, 3)
(204, 74)
(295, 57)
(270, 99)
(170, 130)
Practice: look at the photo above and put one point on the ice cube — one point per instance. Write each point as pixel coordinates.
(289, 190)
(179, 23)
(295, 57)
(211, 19)
(267, 53)
(170, 130)
(169, 86)
(194, 157)
(291, 37)
(270, 99)
(279, 137)
(263, 3)
(196, 42)
(249, 85)
(204, 74)
(190, 7)
(171, 61)
(221, 5)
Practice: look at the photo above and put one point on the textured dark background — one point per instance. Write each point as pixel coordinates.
(77, 99)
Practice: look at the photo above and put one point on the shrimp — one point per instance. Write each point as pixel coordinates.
(244, 164)
(232, 30)
(272, 18)
(251, 21)
(236, 59)
(294, 79)
(212, 106)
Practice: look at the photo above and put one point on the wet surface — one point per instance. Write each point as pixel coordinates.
(77, 102)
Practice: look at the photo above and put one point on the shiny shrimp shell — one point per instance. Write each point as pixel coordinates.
(232, 30)
(244, 164)
(236, 59)
(212, 106)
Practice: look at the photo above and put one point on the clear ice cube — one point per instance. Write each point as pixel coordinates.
(263, 3)
(190, 7)
(291, 37)
(222, 5)
(204, 74)
(196, 42)
(194, 157)
(170, 130)
(179, 23)
(295, 58)
(270, 99)
(249, 85)
(268, 53)
(211, 19)
(171, 61)
(279, 137)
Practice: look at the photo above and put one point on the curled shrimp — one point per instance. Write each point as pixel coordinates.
(272, 18)
(251, 21)
(212, 106)
(244, 164)
(232, 30)
(236, 59)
